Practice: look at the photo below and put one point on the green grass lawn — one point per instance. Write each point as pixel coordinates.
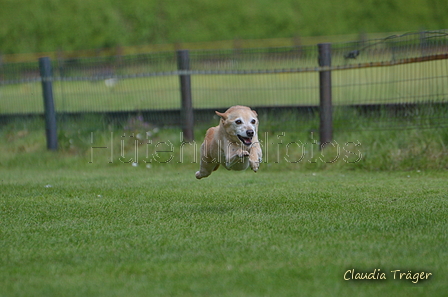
(98, 230)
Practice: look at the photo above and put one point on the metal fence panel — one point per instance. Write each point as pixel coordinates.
(397, 71)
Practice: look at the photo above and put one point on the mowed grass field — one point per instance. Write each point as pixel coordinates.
(98, 230)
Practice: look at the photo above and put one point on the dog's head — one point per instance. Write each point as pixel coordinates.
(240, 123)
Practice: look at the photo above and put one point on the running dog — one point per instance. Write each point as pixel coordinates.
(233, 143)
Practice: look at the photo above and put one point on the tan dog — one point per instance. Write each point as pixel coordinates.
(233, 143)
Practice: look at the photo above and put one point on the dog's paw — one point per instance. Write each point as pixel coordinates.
(254, 161)
(254, 165)
(243, 154)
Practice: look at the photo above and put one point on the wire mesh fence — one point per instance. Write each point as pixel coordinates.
(135, 83)
(391, 78)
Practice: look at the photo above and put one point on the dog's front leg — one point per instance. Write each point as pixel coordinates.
(255, 156)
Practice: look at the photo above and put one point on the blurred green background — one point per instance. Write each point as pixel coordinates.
(49, 25)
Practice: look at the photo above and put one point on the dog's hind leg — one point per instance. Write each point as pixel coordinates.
(206, 169)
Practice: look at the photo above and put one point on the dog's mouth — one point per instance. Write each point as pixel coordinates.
(245, 140)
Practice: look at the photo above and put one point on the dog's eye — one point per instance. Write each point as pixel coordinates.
(238, 122)
(253, 122)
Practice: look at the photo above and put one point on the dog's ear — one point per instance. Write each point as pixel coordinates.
(222, 115)
(256, 114)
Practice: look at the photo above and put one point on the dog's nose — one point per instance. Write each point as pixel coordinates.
(250, 133)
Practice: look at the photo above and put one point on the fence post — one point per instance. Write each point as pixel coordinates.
(183, 63)
(325, 106)
(49, 111)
